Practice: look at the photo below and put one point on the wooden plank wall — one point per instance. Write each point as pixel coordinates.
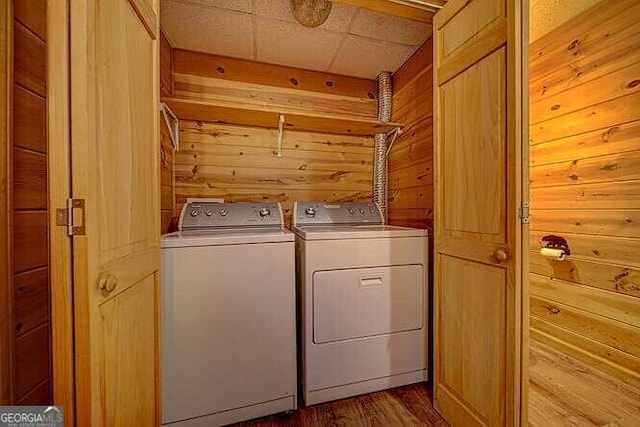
(585, 186)
(167, 197)
(410, 184)
(211, 77)
(31, 367)
(239, 164)
(6, 147)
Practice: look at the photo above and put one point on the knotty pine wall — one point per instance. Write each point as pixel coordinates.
(31, 348)
(411, 158)
(585, 186)
(239, 164)
(167, 197)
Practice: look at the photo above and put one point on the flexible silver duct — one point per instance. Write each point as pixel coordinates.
(384, 94)
(380, 147)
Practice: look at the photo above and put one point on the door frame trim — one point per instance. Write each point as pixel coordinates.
(518, 47)
(525, 197)
(60, 273)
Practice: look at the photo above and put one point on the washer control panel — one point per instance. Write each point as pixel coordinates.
(306, 213)
(203, 215)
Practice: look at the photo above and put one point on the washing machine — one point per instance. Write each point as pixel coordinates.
(362, 294)
(228, 315)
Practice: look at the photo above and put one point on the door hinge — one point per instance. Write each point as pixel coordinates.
(66, 218)
(523, 213)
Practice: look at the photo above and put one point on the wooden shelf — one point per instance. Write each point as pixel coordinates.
(253, 115)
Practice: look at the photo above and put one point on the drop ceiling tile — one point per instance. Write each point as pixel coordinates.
(237, 5)
(381, 26)
(206, 29)
(338, 20)
(287, 43)
(364, 57)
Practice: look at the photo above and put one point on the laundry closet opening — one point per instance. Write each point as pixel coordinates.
(328, 131)
(231, 91)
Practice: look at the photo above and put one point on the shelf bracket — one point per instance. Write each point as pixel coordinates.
(280, 135)
(172, 122)
(395, 132)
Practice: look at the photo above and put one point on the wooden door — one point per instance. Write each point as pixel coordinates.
(114, 140)
(479, 297)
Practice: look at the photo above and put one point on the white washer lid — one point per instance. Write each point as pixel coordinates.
(239, 236)
(334, 232)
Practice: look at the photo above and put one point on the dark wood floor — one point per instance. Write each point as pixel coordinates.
(404, 406)
(563, 392)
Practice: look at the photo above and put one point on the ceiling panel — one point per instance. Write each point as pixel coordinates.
(339, 18)
(364, 57)
(380, 26)
(353, 41)
(237, 5)
(206, 29)
(288, 43)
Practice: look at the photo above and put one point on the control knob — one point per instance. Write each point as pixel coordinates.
(264, 212)
(209, 212)
(194, 213)
(310, 211)
(222, 212)
(351, 211)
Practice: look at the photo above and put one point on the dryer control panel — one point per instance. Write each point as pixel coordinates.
(308, 213)
(201, 215)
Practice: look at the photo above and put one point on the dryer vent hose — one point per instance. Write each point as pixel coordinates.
(380, 147)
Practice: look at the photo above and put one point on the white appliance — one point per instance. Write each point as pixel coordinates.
(228, 311)
(363, 300)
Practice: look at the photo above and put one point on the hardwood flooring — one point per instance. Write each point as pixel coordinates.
(563, 392)
(404, 406)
